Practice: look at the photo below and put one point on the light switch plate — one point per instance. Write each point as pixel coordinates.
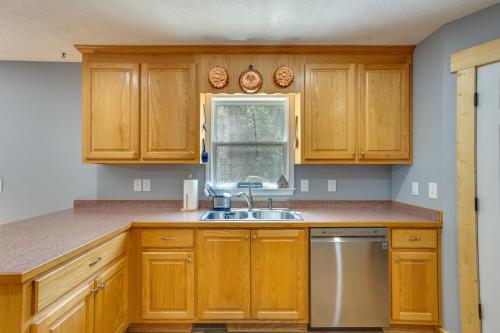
(332, 185)
(304, 185)
(414, 188)
(433, 191)
(137, 185)
(146, 185)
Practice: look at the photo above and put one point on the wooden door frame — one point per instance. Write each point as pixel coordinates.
(465, 63)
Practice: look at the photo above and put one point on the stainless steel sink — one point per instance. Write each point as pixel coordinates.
(252, 215)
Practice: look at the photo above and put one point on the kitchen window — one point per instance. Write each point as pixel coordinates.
(250, 143)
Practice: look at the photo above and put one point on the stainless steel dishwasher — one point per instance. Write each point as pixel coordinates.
(349, 278)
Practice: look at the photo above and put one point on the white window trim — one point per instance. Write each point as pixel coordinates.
(269, 189)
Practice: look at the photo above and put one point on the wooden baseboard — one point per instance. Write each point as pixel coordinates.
(281, 328)
(410, 330)
(159, 328)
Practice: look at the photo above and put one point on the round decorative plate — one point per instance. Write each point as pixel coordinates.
(283, 76)
(218, 77)
(250, 81)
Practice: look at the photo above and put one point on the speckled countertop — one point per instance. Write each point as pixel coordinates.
(28, 247)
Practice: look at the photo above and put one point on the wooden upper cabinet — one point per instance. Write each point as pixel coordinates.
(169, 113)
(330, 112)
(415, 287)
(279, 274)
(384, 109)
(168, 285)
(223, 274)
(111, 299)
(110, 111)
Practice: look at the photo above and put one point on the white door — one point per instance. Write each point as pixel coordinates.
(488, 188)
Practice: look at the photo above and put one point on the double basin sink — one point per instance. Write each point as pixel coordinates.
(251, 215)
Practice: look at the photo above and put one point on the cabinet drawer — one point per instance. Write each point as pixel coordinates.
(414, 238)
(53, 285)
(167, 238)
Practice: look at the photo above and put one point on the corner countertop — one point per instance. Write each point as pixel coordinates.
(29, 247)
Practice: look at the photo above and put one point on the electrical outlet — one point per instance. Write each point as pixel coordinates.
(304, 185)
(414, 188)
(332, 185)
(137, 185)
(433, 191)
(146, 185)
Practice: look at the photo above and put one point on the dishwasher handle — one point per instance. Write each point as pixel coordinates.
(348, 239)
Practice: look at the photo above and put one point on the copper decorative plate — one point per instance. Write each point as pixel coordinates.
(283, 76)
(250, 80)
(218, 77)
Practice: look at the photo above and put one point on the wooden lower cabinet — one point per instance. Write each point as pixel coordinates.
(279, 274)
(74, 314)
(168, 285)
(111, 299)
(414, 279)
(223, 274)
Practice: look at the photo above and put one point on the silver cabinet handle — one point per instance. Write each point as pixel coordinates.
(414, 239)
(95, 261)
(254, 237)
(102, 286)
(296, 132)
(167, 238)
(99, 287)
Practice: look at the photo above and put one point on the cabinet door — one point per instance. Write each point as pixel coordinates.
(73, 314)
(168, 113)
(384, 112)
(279, 274)
(111, 111)
(330, 112)
(111, 299)
(414, 281)
(167, 285)
(223, 274)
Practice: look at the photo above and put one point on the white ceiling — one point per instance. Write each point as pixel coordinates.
(42, 29)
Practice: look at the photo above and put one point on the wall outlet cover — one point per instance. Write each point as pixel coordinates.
(137, 185)
(146, 185)
(304, 185)
(433, 191)
(332, 185)
(414, 188)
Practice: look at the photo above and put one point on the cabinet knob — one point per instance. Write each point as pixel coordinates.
(362, 154)
(95, 261)
(397, 260)
(189, 259)
(164, 238)
(353, 154)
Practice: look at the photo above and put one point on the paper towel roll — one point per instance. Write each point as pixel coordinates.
(190, 197)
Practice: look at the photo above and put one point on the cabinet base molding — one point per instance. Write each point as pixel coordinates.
(430, 329)
(257, 327)
(159, 328)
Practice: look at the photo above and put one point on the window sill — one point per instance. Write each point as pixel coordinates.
(257, 192)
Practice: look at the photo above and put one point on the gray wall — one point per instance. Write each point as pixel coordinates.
(434, 115)
(40, 139)
(40, 145)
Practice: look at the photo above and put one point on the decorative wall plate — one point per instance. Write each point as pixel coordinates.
(250, 80)
(218, 77)
(283, 76)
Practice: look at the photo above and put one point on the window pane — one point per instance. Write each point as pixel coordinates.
(243, 163)
(252, 123)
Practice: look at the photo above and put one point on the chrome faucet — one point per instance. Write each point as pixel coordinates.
(249, 198)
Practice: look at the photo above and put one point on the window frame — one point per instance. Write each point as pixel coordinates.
(211, 144)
